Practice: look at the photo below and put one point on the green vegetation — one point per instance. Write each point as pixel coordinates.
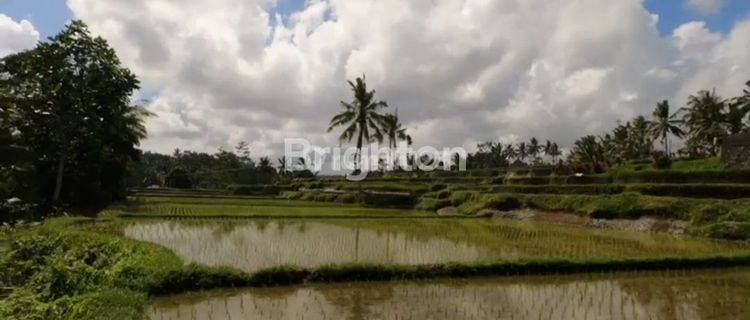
(67, 107)
(146, 206)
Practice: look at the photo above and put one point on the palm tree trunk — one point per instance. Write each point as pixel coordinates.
(60, 171)
(358, 161)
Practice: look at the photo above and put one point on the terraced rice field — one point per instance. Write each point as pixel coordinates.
(258, 244)
(654, 295)
(248, 207)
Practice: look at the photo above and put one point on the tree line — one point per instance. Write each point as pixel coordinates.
(189, 169)
(702, 126)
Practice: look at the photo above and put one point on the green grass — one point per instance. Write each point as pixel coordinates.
(140, 206)
(729, 218)
(698, 165)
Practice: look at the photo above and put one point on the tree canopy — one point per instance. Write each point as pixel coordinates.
(72, 109)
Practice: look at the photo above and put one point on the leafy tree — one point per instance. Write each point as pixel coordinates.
(488, 155)
(664, 124)
(73, 101)
(587, 149)
(178, 177)
(361, 117)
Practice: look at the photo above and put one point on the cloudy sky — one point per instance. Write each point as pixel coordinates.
(216, 72)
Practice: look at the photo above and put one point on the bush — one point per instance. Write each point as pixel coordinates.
(394, 200)
(179, 178)
(660, 160)
(257, 189)
(431, 204)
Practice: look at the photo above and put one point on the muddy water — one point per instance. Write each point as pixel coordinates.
(722, 294)
(254, 245)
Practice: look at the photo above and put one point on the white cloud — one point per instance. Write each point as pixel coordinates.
(706, 6)
(16, 36)
(458, 71)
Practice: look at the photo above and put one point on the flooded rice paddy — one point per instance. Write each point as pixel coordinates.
(717, 294)
(257, 244)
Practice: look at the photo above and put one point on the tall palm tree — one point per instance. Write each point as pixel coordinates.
(621, 140)
(395, 132)
(554, 152)
(361, 117)
(734, 117)
(509, 152)
(533, 148)
(704, 121)
(665, 124)
(522, 151)
(640, 138)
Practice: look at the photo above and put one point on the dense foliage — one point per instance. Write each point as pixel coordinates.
(69, 122)
(187, 169)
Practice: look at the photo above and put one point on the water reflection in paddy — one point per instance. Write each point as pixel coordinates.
(253, 245)
(722, 294)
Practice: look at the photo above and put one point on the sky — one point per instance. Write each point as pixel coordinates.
(216, 72)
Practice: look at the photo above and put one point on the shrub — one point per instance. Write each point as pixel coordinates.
(438, 186)
(179, 178)
(459, 197)
(431, 204)
(257, 189)
(660, 160)
(396, 200)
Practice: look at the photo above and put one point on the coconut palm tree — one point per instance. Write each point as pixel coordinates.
(509, 152)
(522, 152)
(395, 132)
(554, 152)
(734, 117)
(361, 117)
(533, 149)
(704, 121)
(664, 124)
(621, 140)
(640, 138)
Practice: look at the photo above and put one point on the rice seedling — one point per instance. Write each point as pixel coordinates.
(259, 244)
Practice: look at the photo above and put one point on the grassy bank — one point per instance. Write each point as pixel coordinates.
(728, 219)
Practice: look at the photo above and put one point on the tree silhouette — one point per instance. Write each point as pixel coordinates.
(361, 117)
(664, 124)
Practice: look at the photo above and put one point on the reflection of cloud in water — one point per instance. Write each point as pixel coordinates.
(700, 295)
(254, 246)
